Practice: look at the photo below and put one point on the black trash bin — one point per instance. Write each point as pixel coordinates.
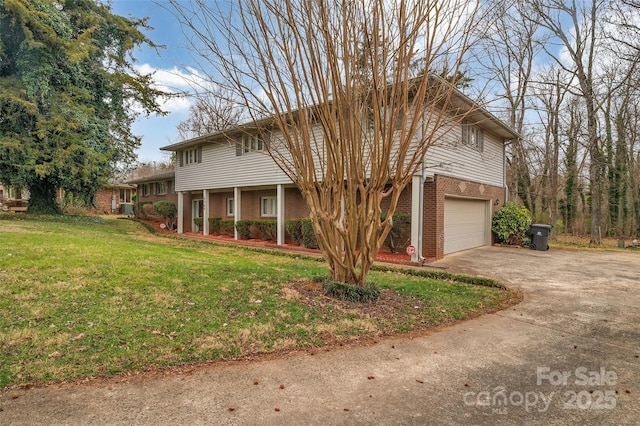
(540, 236)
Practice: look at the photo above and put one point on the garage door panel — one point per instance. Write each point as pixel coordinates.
(465, 224)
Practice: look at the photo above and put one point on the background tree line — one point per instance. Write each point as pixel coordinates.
(567, 74)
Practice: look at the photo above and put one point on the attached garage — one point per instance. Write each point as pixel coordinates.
(466, 224)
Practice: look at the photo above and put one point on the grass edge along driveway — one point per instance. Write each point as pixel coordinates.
(93, 297)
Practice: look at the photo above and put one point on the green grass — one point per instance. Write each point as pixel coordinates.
(89, 297)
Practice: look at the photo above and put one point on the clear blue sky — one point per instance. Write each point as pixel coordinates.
(170, 67)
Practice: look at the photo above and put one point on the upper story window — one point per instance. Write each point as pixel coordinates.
(268, 206)
(161, 188)
(473, 136)
(399, 119)
(249, 143)
(190, 156)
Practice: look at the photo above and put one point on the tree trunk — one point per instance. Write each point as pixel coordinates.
(43, 198)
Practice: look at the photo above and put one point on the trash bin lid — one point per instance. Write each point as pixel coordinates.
(541, 225)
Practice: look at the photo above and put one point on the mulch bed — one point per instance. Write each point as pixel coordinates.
(387, 306)
(383, 255)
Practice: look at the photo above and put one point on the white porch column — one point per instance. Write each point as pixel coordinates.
(417, 207)
(205, 212)
(237, 205)
(180, 212)
(280, 214)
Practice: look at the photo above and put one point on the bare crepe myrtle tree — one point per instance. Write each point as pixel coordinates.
(333, 86)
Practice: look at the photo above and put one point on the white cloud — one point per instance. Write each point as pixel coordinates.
(174, 81)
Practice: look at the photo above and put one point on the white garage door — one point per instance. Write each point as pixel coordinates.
(465, 224)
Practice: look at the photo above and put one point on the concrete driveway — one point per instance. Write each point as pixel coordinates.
(567, 355)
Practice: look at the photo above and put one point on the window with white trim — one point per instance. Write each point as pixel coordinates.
(249, 143)
(268, 206)
(190, 156)
(473, 136)
(230, 210)
(125, 195)
(145, 190)
(385, 114)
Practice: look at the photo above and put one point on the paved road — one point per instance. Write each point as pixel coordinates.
(567, 355)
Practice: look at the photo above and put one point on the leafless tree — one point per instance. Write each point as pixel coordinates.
(574, 30)
(337, 80)
(625, 19)
(511, 44)
(213, 111)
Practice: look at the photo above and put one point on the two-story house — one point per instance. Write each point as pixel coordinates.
(230, 175)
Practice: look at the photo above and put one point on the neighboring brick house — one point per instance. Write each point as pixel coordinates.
(229, 174)
(154, 188)
(115, 198)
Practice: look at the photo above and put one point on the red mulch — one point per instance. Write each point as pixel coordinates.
(384, 255)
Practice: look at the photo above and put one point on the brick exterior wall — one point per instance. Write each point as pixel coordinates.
(187, 218)
(104, 197)
(433, 214)
(103, 201)
(294, 205)
(435, 193)
(152, 197)
(218, 204)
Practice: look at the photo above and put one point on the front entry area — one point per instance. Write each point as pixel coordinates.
(196, 209)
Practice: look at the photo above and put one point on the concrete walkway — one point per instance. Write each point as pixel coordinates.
(567, 355)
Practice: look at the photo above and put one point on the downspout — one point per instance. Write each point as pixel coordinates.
(504, 171)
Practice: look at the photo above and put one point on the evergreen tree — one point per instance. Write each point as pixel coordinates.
(67, 92)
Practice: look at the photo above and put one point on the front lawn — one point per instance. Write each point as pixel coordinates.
(90, 297)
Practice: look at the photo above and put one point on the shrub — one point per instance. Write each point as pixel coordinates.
(168, 211)
(146, 210)
(244, 229)
(226, 226)
(198, 221)
(214, 224)
(294, 228)
(266, 229)
(397, 237)
(511, 224)
(352, 293)
(308, 236)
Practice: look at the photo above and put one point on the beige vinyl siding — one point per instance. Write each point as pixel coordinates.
(221, 168)
(451, 158)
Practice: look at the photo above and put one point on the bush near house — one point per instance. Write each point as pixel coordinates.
(294, 229)
(168, 211)
(226, 227)
(146, 210)
(511, 224)
(214, 224)
(301, 232)
(399, 235)
(308, 236)
(264, 229)
(244, 229)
